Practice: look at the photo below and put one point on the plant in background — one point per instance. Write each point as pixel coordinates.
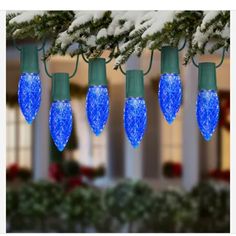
(55, 172)
(218, 174)
(14, 171)
(12, 202)
(38, 202)
(128, 202)
(172, 169)
(213, 207)
(170, 211)
(24, 174)
(81, 208)
(70, 168)
(130, 206)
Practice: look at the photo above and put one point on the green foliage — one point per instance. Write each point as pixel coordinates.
(31, 207)
(43, 206)
(170, 211)
(53, 24)
(11, 203)
(39, 199)
(213, 207)
(82, 206)
(70, 168)
(127, 201)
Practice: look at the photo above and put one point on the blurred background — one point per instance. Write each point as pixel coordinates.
(174, 182)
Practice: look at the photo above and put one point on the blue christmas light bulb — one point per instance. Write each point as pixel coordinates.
(207, 112)
(60, 122)
(170, 95)
(135, 119)
(97, 107)
(29, 95)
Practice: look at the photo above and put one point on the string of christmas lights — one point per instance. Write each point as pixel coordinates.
(97, 99)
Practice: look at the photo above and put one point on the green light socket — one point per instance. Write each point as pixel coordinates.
(134, 83)
(97, 71)
(60, 87)
(169, 60)
(207, 76)
(29, 59)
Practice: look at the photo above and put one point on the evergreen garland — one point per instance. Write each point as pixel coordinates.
(133, 31)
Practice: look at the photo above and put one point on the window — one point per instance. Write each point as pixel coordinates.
(92, 150)
(171, 140)
(19, 139)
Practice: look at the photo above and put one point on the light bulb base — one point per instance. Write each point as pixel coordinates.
(97, 71)
(134, 83)
(60, 87)
(207, 76)
(169, 60)
(29, 59)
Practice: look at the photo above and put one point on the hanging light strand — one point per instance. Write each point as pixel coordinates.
(29, 86)
(60, 115)
(207, 105)
(170, 86)
(135, 111)
(97, 99)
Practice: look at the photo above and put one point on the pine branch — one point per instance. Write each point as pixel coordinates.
(135, 30)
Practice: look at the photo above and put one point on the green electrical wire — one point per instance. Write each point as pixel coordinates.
(217, 66)
(150, 63)
(46, 69)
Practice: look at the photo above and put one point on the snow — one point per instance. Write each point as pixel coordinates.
(129, 17)
(123, 46)
(118, 60)
(102, 33)
(209, 15)
(83, 17)
(115, 21)
(64, 39)
(143, 22)
(200, 37)
(16, 32)
(158, 22)
(26, 16)
(91, 41)
(13, 12)
(225, 33)
(128, 23)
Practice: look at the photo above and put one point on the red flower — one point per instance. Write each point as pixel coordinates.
(74, 182)
(220, 175)
(55, 172)
(87, 171)
(177, 169)
(172, 169)
(12, 171)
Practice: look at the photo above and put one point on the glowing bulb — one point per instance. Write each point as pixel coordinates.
(170, 95)
(60, 123)
(29, 95)
(207, 111)
(97, 107)
(135, 119)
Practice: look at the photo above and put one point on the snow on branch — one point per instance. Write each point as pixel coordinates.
(26, 16)
(83, 17)
(158, 21)
(131, 30)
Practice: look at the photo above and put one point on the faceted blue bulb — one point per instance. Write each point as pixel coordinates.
(29, 95)
(97, 107)
(60, 123)
(135, 119)
(207, 112)
(170, 95)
